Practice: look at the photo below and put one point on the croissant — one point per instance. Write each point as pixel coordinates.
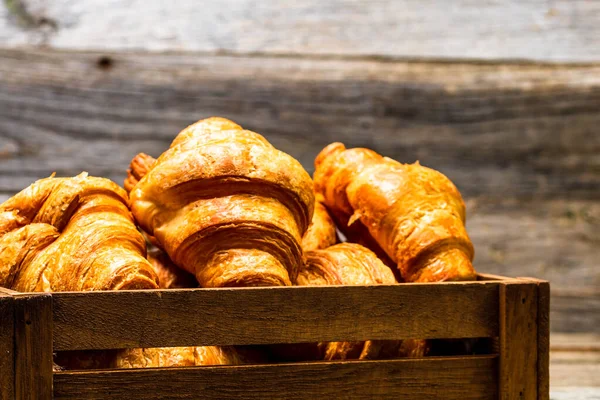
(346, 264)
(179, 357)
(139, 167)
(226, 206)
(321, 232)
(67, 234)
(71, 234)
(414, 213)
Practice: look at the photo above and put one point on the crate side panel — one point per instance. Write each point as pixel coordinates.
(463, 378)
(104, 320)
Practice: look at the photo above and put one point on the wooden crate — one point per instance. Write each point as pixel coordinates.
(513, 311)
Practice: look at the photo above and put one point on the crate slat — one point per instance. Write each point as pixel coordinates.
(446, 378)
(108, 320)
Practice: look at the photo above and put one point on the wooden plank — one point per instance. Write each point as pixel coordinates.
(575, 342)
(575, 365)
(56, 106)
(561, 30)
(33, 346)
(575, 310)
(8, 292)
(532, 199)
(574, 369)
(518, 341)
(108, 320)
(575, 393)
(491, 277)
(432, 378)
(7, 355)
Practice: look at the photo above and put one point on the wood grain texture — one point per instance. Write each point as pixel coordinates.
(575, 310)
(575, 365)
(561, 30)
(574, 369)
(433, 378)
(518, 341)
(543, 336)
(7, 355)
(62, 112)
(33, 346)
(576, 393)
(108, 320)
(520, 141)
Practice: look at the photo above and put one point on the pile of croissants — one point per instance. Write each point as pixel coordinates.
(222, 208)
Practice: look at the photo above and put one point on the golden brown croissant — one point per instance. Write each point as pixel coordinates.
(66, 234)
(321, 233)
(346, 264)
(71, 234)
(227, 206)
(140, 165)
(179, 357)
(414, 213)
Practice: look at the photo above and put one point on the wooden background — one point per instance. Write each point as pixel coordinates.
(501, 96)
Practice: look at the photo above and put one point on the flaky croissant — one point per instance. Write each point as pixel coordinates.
(227, 206)
(321, 233)
(179, 357)
(346, 264)
(414, 213)
(71, 234)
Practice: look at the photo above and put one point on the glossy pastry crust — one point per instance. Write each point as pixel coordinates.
(179, 357)
(227, 206)
(321, 233)
(414, 213)
(139, 167)
(346, 264)
(71, 234)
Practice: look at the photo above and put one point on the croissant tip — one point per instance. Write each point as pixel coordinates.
(330, 149)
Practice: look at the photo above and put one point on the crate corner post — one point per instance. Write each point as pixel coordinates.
(523, 372)
(7, 350)
(33, 346)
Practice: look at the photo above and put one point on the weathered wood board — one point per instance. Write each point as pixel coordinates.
(520, 141)
(559, 30)
(108, 320)
(392, 379)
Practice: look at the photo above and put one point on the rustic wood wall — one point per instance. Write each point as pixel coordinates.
(503, 97)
